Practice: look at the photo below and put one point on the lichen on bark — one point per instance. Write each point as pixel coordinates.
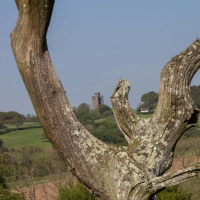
(135, 172)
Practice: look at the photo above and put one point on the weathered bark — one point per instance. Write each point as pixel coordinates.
(119, 173)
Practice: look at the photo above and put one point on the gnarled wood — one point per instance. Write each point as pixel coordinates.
(120, 173)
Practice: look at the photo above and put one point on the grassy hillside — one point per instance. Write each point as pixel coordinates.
(104, 128)
(28, 137)
(35, 136)
(145, 115)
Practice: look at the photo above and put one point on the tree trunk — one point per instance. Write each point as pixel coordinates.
(135, 172)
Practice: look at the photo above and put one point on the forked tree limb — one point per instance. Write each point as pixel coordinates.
(82, 151)
(110, 172)
(125, 116)
(155, 139)
(170, 179)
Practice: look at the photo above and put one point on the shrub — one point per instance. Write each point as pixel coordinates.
(6, 194)
(1, 143)
(2, 126)
(75, 192)
(174, 193)
(103, 108)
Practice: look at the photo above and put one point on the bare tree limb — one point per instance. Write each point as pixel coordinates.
(125, 116)
(170, 179)
(110, 172)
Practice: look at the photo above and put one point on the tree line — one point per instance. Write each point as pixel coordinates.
(15, 118)
(101, 123)
(150, 99)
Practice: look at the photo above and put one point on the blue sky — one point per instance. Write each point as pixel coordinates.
(93, 43)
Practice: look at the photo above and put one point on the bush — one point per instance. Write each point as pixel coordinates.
(75, 192)
(192, 132)
(103, 108)
(2, 126)
(174, 193)
(6, 194)
(1, 143)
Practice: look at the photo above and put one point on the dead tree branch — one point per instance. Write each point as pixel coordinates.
(109, 172)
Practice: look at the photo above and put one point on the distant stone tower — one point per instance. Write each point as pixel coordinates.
(97, 100)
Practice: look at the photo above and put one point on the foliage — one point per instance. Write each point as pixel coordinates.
(5, 173)
(192, 132)
(103, 108)
(11, 117)
(17, 122)
(195, 93)
(101, 123)
(84, 114)
(2, 126)
(174, 193)
(149, 100)
(75, 192)
(108, 132)
(2, 148)
(6, 194)
(82, 109)
(5, 170)
(1, 143)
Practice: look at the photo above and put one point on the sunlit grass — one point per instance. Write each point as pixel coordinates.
(28, 137)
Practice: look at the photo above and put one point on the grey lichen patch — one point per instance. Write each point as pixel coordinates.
(77, 133)
(68, 108)
(194, 46)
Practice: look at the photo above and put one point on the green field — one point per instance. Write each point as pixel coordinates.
(35, 136)
(28, 137)
(144, 115)
(99, 120)
(25, 124)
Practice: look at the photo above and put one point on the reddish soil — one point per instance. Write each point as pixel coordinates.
(181, 163)
(45, 191)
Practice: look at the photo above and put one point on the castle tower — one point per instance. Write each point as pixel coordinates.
(97, 100)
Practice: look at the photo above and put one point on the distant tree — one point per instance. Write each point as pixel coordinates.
(17, 122)
(82, 109)
(149, 99)
(44, 137)
(2, 125)
(94, 114)
(103, 108)
(10, 117)
(74, 109)
(6, 194)
(1, 143)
